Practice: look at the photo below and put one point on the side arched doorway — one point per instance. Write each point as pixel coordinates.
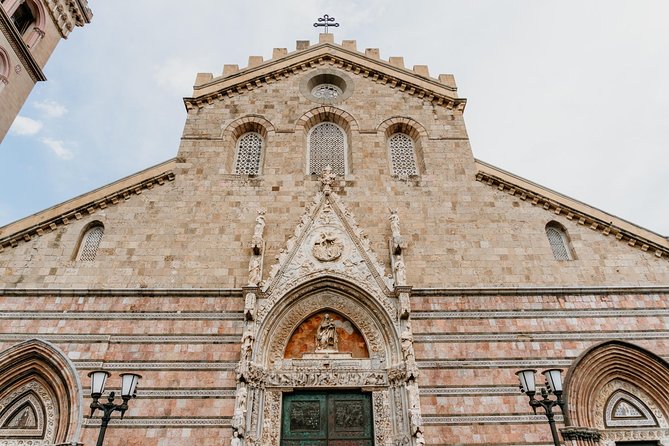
(40, 396)
(323, 363)
(616, 396)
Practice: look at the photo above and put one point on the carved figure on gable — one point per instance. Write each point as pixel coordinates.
(397, 241)
(328, 247)
(327, 179)
(255, 266)
(394, 223)
(257, 240)
(326, 336)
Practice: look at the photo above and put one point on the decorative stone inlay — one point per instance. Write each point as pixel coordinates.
(43, 408)
(617, 391)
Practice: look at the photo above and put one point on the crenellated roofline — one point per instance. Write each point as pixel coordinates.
(559, 204)
(441, 90)
(61, 214)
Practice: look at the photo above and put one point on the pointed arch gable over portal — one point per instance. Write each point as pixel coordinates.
(40, 373)
(606, 371)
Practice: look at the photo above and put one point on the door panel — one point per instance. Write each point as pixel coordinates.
(327, 419)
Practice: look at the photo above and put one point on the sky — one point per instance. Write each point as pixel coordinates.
(573, 95)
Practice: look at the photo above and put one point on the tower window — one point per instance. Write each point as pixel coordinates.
(23, 17)
(249, 154)
(402, 155)
(327, 147)
(88, 247)
(557, 238)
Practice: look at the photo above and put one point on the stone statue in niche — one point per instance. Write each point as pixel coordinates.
(255, 266)
(420, 441)
(236, 441)
(247, 345)
(326, 336)
(328, 247)
(239, 417)
(407, 345)
(257, 240)
(400, 271)
(249, 306)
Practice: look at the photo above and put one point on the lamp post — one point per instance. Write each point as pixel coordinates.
(553, 386)
(128, 390)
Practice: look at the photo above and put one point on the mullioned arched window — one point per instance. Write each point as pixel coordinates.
(90, 242)
(402, 155)
(559, 242)
(249, 154)
(327, 147)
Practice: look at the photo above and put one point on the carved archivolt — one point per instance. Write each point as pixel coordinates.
(289, 313)
(588, 381)
(49, 381)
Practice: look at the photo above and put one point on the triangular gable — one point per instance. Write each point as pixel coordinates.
(327, 240)
(558, 204)
(441, 91)
(62, 214)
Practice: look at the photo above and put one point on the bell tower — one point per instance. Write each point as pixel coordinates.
(31, 29)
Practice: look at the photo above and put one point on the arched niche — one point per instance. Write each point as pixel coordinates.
(323, 294)
(40, 395)
(618, 376)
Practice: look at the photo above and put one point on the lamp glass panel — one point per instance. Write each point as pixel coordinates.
(98, 381)
(527, 382)
(129, 383)
(553, 379)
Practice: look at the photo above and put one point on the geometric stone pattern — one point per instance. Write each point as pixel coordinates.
(249, 153)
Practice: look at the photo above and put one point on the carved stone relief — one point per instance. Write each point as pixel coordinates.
(613, 428)
(34, 416)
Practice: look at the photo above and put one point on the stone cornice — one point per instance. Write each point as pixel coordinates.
(87, 204)
(538, 291)
(319, 55)
(119, 292)
(67, 14)
(20, 48)
(559, 204)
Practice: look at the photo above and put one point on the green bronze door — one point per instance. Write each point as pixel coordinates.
(327, 419)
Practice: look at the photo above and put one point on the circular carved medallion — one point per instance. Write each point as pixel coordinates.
(328, 247)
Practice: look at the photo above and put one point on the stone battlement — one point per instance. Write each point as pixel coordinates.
(325, 39)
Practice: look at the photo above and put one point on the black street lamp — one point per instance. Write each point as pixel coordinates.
(553, 386)
(128, 390)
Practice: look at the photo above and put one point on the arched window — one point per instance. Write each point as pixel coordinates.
(249, 154)
(402, 155)
(24, 16)
(4, 68)
(327, 147)
(90, 241)
(559, 242)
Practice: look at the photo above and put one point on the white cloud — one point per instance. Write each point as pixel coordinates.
(51, 109)
(176, 75)
(25, 126)
(58, 148)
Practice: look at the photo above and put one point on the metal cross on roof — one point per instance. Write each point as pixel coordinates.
(325, 21)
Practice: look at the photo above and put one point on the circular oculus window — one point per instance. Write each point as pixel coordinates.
(326, 91)
(327, 86)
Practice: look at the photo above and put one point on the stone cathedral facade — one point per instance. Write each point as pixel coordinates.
(324, 262)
